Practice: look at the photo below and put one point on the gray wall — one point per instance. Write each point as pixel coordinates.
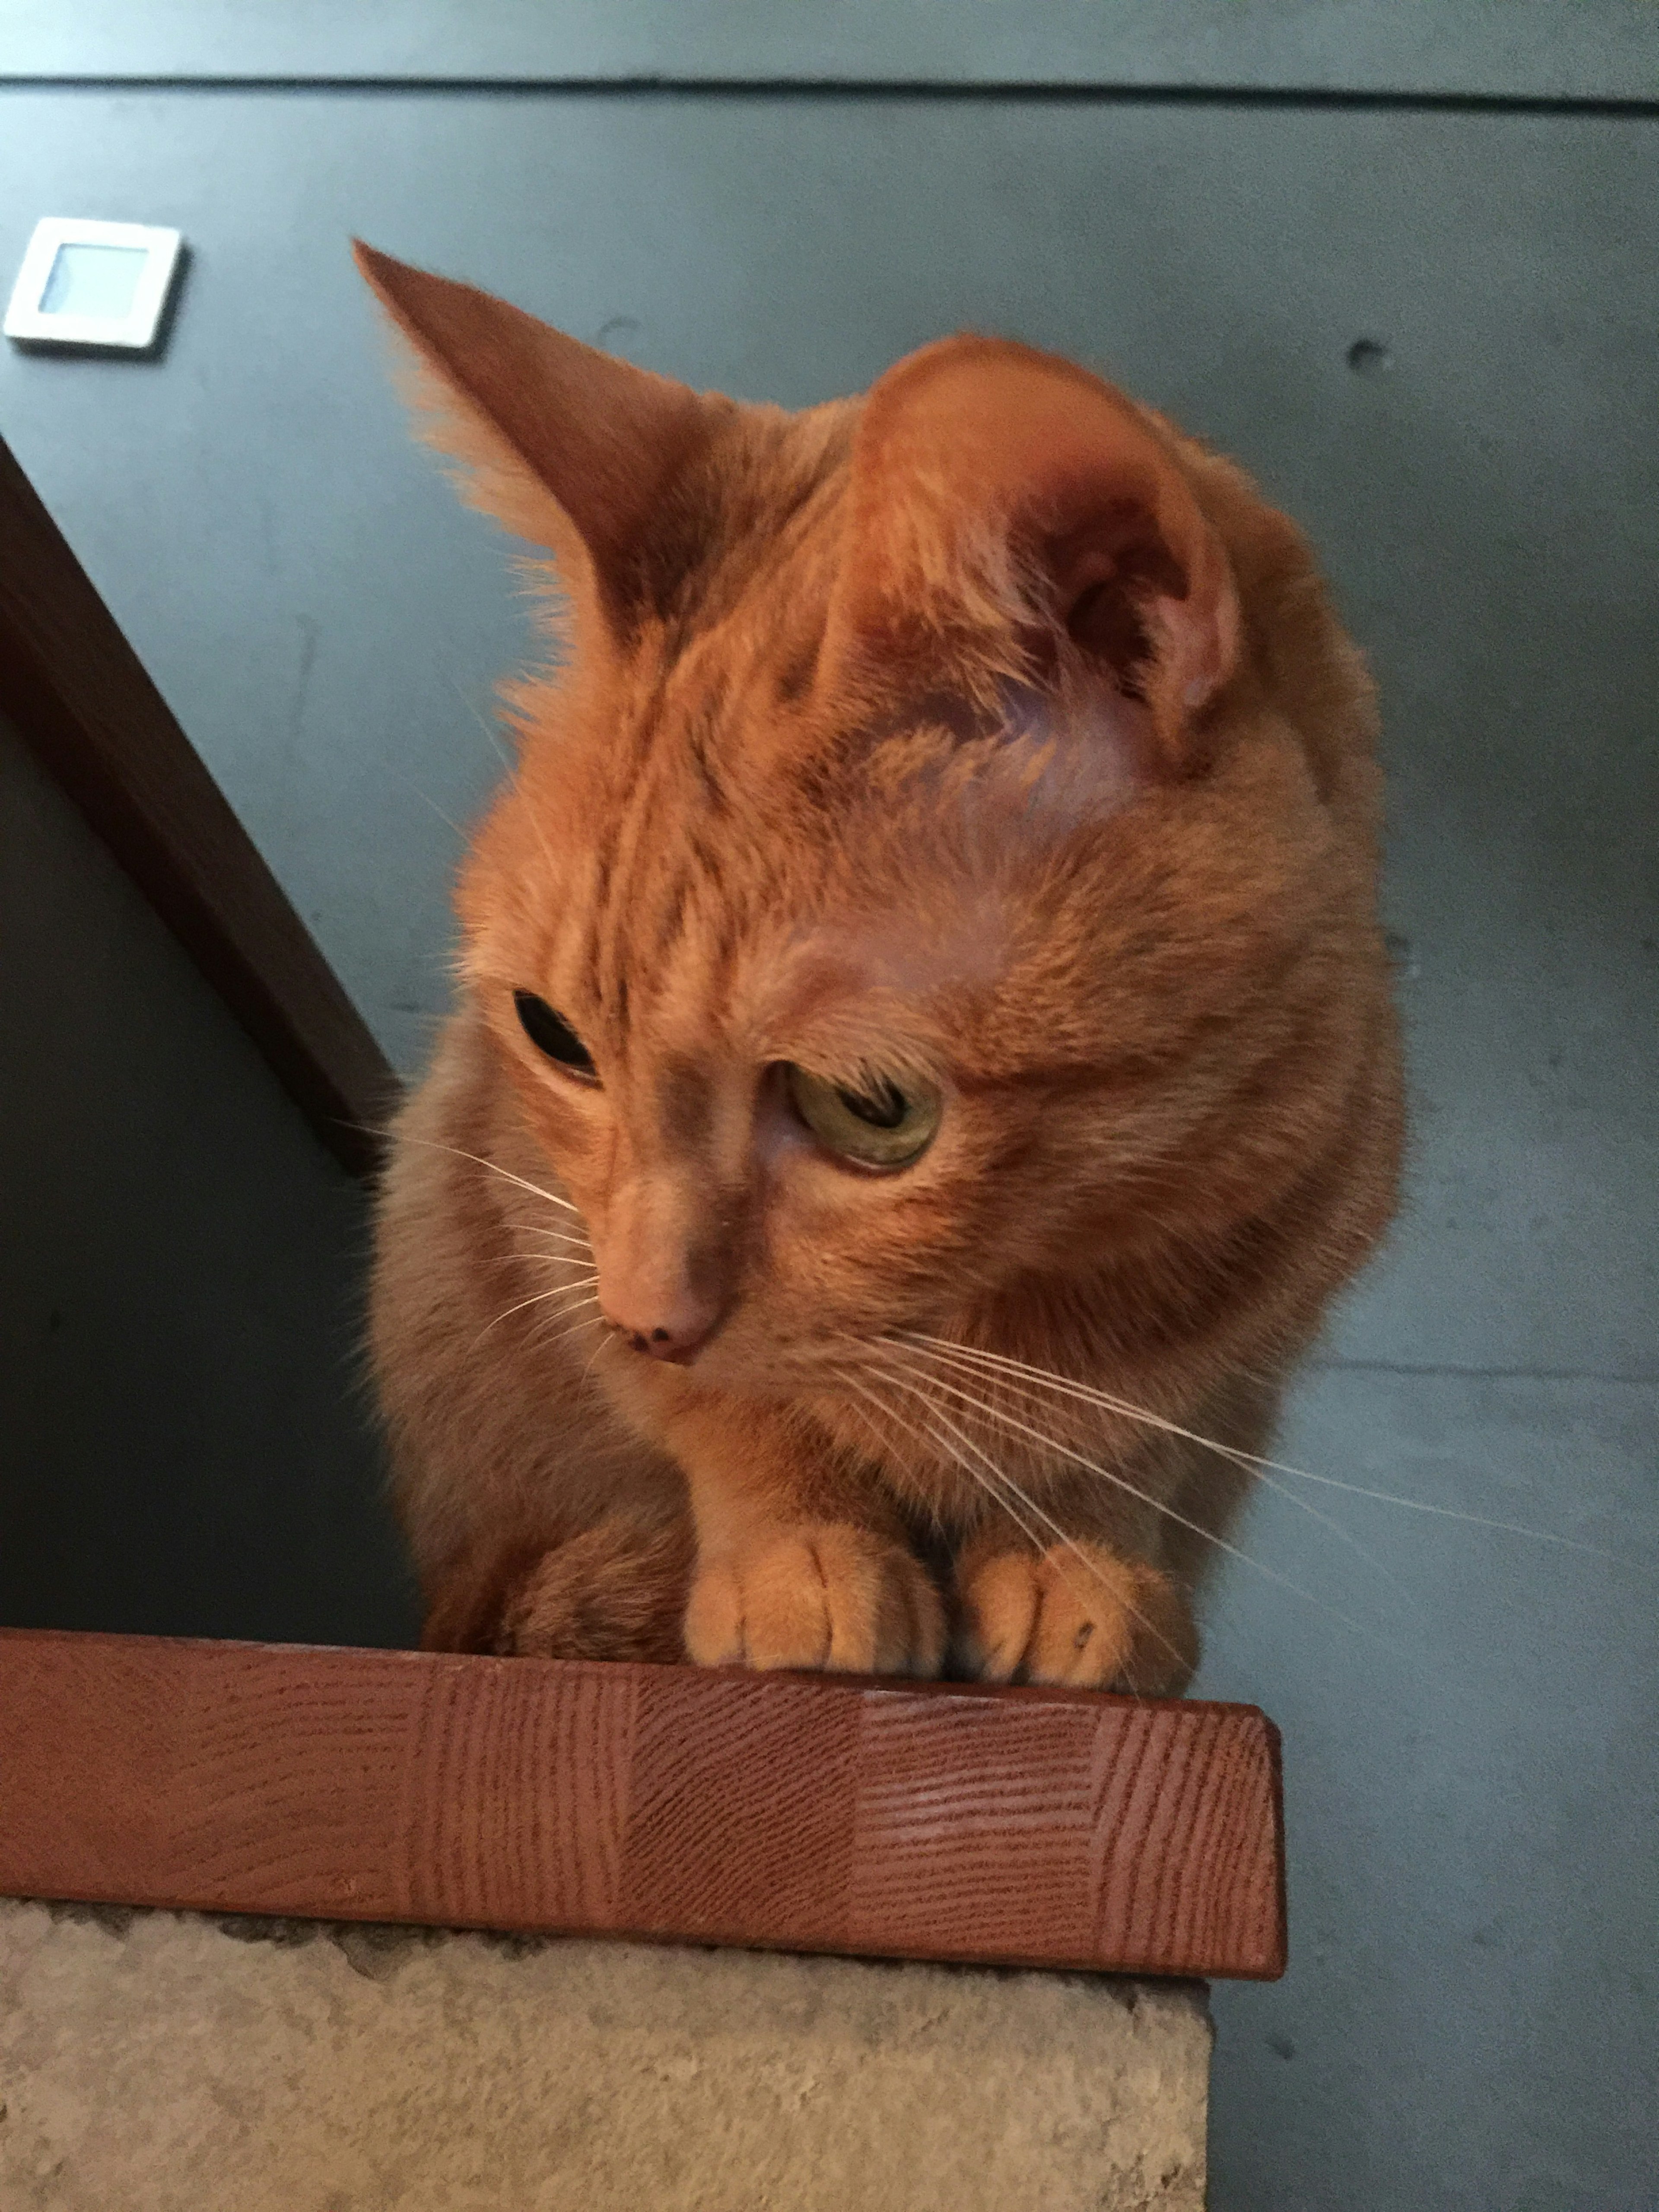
(1471, 1768)
(186, 1447)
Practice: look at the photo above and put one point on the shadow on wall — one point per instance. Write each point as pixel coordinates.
(188, 1439)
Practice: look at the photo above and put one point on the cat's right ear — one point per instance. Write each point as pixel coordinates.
(564, 446)
(1005, 491)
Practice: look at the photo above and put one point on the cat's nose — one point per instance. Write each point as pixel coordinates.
(661, 1287)
(673, 1330)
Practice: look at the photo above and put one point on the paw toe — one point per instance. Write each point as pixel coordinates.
(1078, 1615)
(821, 1599)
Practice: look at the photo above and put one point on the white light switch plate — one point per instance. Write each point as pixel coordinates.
(101, 284)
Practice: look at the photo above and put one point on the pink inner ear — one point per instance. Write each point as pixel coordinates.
(1143, 587)
(1108, 571)
(975, 436)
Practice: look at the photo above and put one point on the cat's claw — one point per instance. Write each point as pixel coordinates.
(1075, 1615)
(825, 1598)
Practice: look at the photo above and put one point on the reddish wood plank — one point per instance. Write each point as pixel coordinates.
(1044, 1827)
(741, 1823)
(974, 1826)
(515, 1797)
(80, 699)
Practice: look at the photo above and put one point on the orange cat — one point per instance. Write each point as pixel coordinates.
(925, 1054)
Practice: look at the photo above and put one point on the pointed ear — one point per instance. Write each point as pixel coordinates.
(565, 446)
(1010, 494)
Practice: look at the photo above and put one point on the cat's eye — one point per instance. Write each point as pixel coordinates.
(550, 1033)
(883, 1125)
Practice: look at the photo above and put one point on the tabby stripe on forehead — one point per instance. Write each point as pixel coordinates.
(674, 916)
(722, 960)
(794, 678)
(704, 867)
(687, 1100)
(609, 936)
(697, 737)
(622, 854)
(604, 869)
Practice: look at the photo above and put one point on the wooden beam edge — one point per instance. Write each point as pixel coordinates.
(1021, 1826)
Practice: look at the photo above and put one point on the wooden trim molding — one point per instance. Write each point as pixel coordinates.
(79, 698)
(1007, 1826)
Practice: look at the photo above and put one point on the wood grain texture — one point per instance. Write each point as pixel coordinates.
(1022, 1826)
(80, 699)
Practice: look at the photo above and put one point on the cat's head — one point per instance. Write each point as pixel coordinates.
(920, 865)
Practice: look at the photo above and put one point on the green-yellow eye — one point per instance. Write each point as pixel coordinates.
(882, 1125)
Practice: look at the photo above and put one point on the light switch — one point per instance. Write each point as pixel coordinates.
(99, 284)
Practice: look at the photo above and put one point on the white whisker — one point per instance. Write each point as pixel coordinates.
(910, 1429)
(501, 751)
(559, 1290)
(588, 1321)
(1002, 1475)
(514, 775)
(1208, 1536)
(507, 1175)
(1246, 1460)
(1104, 1399)
(578, 1256)
(598, 1319)
(556, 1235)
(454, 828)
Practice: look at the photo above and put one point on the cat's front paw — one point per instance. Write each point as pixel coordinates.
(823, 1597)
(613, 1591)
(1077, 1614)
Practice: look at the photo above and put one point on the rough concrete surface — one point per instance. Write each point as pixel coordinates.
(164, 2062)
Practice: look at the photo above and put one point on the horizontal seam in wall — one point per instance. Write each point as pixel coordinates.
(1483, 1374)
(962, 90)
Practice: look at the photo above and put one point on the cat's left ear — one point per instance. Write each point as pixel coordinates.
(999, 490)
(565, 446)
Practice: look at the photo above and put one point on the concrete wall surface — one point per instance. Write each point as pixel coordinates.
(151, 2062)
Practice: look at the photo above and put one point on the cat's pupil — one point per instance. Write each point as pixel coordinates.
(883, 1109)
(550, 1033)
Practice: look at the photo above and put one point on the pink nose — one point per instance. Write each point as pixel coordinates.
(675, 1331)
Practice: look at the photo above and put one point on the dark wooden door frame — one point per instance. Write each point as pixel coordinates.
(80, 699)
